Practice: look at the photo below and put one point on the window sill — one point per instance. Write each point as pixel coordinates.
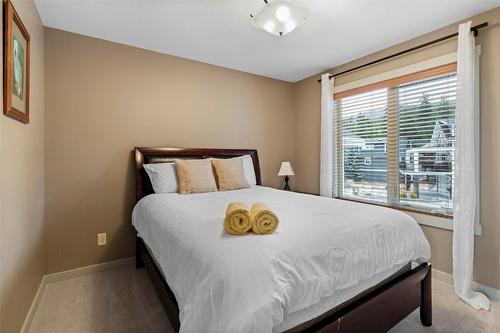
(440, 222)
(435, 220)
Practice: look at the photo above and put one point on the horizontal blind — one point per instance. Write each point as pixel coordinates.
(427, 142)
(396, 144)
(363, 146)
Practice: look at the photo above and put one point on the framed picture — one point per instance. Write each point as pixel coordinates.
(16, 66)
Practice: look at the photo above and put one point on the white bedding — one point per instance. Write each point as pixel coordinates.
(226, 283)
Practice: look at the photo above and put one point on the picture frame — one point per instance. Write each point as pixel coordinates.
(16, 66)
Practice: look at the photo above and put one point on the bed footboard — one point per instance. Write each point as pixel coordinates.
(381, 308)
(426, 299)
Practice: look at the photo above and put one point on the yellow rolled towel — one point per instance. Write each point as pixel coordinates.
(264, 221)
(237, 221)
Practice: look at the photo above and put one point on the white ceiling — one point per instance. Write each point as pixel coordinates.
(219, 31)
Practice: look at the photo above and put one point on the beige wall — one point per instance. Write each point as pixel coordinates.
(307, 129)
(102, 99)
(21, 189)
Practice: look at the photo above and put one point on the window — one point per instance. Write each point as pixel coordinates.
(426, 143)
(396, 139)
(363, 137)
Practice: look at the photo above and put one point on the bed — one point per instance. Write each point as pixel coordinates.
(332, 266)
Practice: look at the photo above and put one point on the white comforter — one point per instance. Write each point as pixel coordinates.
(227, 283)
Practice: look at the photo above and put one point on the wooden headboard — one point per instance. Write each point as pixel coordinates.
(160, 155)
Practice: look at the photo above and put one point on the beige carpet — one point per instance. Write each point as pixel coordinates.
(123, 300)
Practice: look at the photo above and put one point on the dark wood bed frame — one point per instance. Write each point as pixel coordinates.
(377, 309)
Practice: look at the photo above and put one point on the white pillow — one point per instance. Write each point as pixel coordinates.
(248, 169)
(163, 177)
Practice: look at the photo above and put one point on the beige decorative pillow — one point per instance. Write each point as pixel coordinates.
(195, 176)
(230, 174)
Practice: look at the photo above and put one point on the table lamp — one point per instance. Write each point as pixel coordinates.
(286, 170)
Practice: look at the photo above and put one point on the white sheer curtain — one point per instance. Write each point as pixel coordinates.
(327, 165)
(466, 191)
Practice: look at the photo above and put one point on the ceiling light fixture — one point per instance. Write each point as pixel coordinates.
(280, 17)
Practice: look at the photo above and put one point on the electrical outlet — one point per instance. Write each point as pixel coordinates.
(101, 239)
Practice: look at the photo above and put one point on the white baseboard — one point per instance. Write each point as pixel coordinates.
(66, 275)
(442, 276)
(80, 271)
(34, 306)
(492, 293)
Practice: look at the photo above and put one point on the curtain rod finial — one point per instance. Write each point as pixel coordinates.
(329, 78)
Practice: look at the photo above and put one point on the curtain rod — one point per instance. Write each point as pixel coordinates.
(472, 29)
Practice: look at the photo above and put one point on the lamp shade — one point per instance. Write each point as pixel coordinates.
(286, 169)
(280, 17)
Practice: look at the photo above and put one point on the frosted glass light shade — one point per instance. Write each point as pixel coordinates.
(286, 169)
(280, 17)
